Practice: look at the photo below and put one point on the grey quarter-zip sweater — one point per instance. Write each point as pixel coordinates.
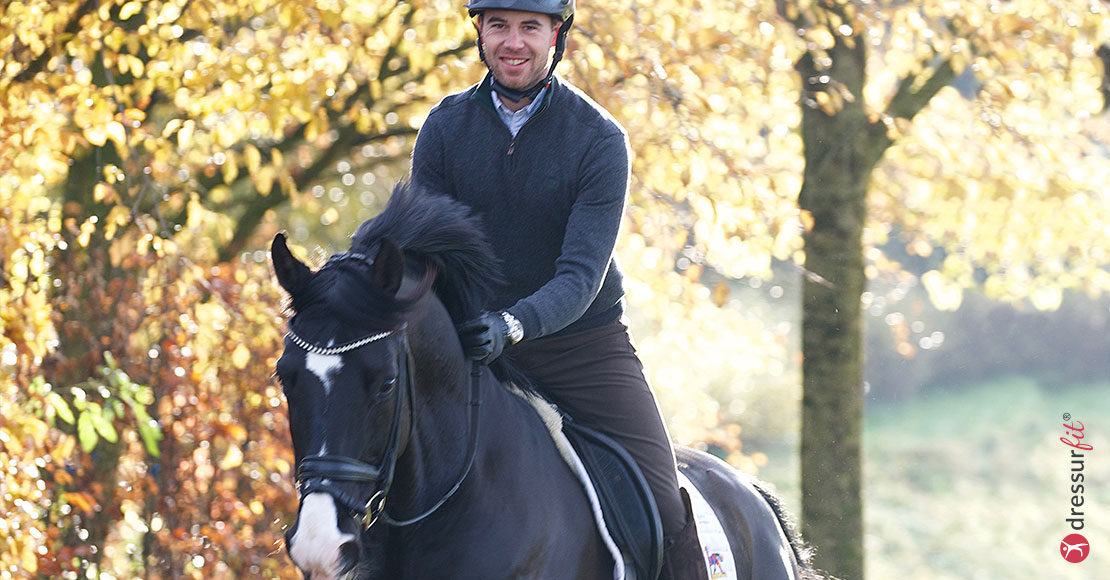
(551, 200)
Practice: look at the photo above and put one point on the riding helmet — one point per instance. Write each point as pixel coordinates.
(563, 9)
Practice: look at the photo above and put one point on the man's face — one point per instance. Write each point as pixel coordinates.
(517, 45)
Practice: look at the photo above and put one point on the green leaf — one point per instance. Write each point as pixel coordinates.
(144, 395)
(61, 408)
(86, 431)
(151, 434)
(149, 430)
(80, 398)
(103, 425)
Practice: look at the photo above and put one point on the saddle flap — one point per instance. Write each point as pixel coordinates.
(627, 503)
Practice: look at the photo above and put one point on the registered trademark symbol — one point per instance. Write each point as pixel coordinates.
(1067, 416)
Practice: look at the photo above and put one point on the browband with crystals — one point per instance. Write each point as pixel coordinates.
(342, 348)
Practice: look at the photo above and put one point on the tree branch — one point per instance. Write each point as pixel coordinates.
(39, 63)
(792, 13)
(908, 101)
(1104, 87)
(257, 207)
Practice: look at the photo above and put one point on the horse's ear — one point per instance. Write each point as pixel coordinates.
(291, 273)
(389, 267)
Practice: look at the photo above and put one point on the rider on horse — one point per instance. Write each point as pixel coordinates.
(547, 169)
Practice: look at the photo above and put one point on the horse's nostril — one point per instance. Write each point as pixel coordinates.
(348, 556)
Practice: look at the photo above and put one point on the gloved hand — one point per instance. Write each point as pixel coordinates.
(485, 337)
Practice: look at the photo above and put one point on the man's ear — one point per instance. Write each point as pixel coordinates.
(555, 34)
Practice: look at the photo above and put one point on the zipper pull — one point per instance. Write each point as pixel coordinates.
(512, 146)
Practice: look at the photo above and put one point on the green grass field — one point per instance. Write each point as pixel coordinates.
(974, 483)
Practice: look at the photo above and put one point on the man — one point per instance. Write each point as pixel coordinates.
(547, 169)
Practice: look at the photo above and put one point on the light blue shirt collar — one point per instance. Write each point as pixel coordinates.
(514, 120)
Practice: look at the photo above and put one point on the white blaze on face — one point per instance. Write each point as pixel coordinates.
(315, 546)
(324, 366)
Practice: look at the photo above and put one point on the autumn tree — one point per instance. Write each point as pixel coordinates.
(970, 130)
(144, 143)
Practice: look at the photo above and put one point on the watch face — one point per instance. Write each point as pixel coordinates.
(515, 328)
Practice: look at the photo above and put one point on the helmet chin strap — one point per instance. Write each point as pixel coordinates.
(517, 95)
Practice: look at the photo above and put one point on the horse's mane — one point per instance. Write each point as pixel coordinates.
(433, 227)
(442, 232)
(431, 230)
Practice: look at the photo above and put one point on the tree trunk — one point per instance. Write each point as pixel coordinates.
(840, 149)
(832, 401)
(842, 146)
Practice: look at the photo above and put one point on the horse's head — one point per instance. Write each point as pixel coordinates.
(345, 373)
(346, 366)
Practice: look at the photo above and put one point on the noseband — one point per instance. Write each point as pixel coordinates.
(318, 473)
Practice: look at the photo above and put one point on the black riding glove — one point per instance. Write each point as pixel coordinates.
(485, 337)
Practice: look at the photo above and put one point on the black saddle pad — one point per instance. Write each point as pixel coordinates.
(627, 503)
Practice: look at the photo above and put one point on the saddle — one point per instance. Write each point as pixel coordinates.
(627, 504)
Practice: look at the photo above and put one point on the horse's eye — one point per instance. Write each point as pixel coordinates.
(387, 386)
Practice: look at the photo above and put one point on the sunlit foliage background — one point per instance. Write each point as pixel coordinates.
(151, 149)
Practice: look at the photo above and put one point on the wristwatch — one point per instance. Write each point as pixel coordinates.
(516, 329)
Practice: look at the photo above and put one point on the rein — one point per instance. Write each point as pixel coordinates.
(316, 473)
(471, 450)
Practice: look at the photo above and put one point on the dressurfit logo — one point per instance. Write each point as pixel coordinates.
(1074, 547)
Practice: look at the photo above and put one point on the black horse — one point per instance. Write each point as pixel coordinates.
(413, 464)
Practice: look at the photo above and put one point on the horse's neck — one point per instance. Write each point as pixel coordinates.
(501, 516)
(436, 455)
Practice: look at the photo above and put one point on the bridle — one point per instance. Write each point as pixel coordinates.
(319, 473)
